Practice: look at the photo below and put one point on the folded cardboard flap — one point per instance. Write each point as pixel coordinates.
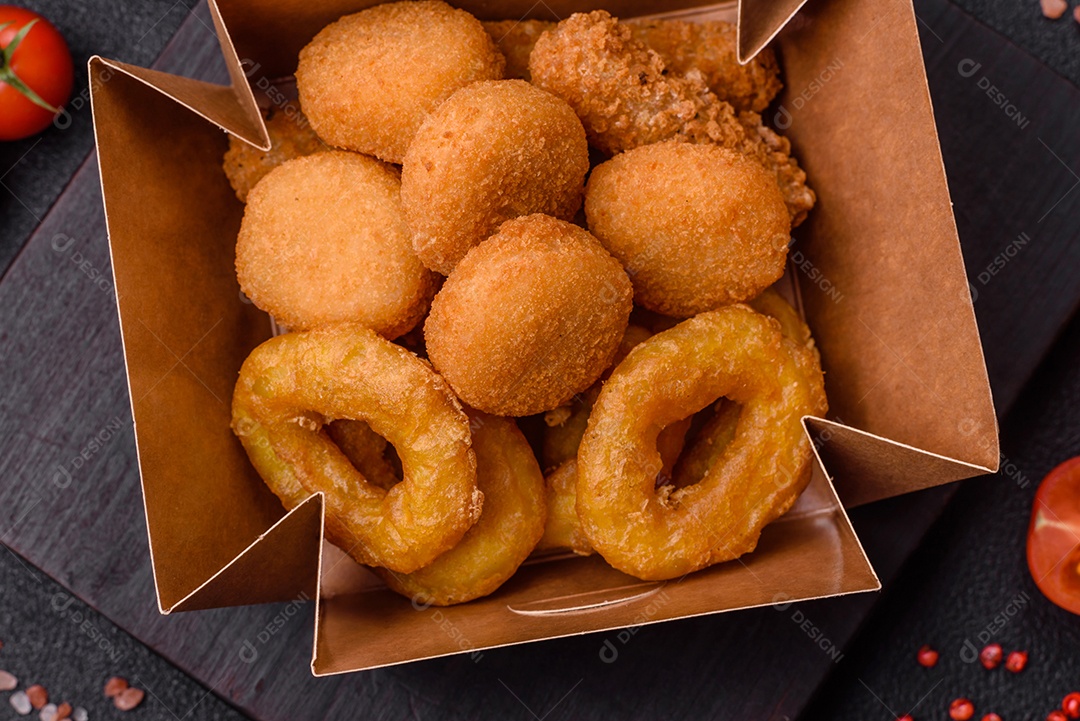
(883, 280)
(810, 555)
(280, 565)
(172, 222)
(882, 237)
(759, 21)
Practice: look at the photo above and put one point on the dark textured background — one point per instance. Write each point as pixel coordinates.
(966, 572)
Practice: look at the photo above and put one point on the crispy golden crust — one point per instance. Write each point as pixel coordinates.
(626, 97)
(707, 47)
(367, 81)
(323, 241)
(710, 48)
(563, 528)
(696, 226)
(291, 385)
(660, 533)
(509, 527)
(530, 317)
(516, 39)
(290, 137)
(494, 150)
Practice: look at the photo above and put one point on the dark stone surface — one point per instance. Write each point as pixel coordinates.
(1054, 42)
(53, 639)
(969, 582)
(33, 172)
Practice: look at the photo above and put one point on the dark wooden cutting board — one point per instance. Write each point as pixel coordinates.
(68, 457)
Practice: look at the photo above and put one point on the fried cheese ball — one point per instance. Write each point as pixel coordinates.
(530, 317)
(367, 81)
(494, 150)
(323, 241)
(696, 226)
(711, 48)
(290, 137)
(626, 97)
(708, 47)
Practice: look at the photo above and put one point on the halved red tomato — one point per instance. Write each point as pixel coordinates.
(1053, 543)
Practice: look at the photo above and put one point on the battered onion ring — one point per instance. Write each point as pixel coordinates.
(696, 226)
(509, 527)
(657, 533)
(366, 450)
(565, 427)
(323, 241)
(563, 528)
(719, 429)
(290, 137)
(367, 81)
(493, 151)
(292, 385)
(530, 317)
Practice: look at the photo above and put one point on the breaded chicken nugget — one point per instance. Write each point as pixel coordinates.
(367, 81)
(626, 97)
(516, 39)
(696, 226)
(710, 48)
(530, 317)
(290, 137)
(323, 241)
(494, 150)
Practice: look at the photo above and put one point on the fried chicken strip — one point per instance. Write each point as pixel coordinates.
(684, 46)
(626, 96)
(710, 47)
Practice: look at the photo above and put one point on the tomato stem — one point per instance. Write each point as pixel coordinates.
(7, 73)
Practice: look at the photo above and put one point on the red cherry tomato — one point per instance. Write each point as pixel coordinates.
(36, 74)
(1053, 544)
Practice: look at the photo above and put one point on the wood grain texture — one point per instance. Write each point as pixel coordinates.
(70, 503)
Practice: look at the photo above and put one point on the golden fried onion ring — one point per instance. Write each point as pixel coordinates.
(292, 385)
(509, 527)
(659, 533)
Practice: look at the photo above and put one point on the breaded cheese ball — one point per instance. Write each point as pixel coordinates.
(696, 226)
(493, 151)
(323, 241)
(367, 81)
(529, 318)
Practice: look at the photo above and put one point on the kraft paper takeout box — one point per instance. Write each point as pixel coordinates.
(880, 280)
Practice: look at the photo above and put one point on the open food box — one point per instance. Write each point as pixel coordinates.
(876, 270)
